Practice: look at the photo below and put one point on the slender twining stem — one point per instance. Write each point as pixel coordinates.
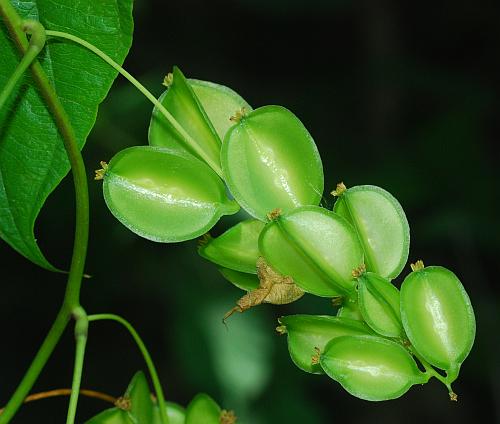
(36, 44)
(17, 29)
(146, 356)
(81, 330)
(215, 166)
(67, 392)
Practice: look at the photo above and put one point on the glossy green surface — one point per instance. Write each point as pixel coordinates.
(242, 280)
(438, 316)
(379, 305)
(370, 367)
(181, 101)
(219, 102)
(270, 161)
(203, 409)
(350, 310)
(305, 333)
(381, 225)
(163, 195)
(111, 416)
(176, 414)
(141, 404)
(314, 246)
(237, 248)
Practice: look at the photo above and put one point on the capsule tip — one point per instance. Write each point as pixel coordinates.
(339, 190)
(168, 80)
(359, 271)
(281, 329)
(453, 397)
(417, 266)
(315, 358)
(239, 115)
(100, 173)
(227, 417)
(274, 214)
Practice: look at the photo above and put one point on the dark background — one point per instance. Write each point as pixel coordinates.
(400, 95)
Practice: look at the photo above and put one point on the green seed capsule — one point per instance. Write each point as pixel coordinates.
(203, 409)
(308, 334)
(237, 248)
(202, 140)
(242, 280)
(111, 416)
(379, 305)
(381, 225)
(316, 247)
(176, 414)
(163, 195)
(220, 103)
(438, 317)
(350, 309)
(270, 161)
(370, 367)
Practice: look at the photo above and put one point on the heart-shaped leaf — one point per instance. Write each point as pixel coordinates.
(32, 157)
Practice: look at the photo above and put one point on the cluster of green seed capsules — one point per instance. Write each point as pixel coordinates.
(209, 154)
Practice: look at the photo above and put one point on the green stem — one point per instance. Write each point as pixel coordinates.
(17, 28)
(215, 166)
(81, 330)
(146, 356)
(36, 44)
(431, 372)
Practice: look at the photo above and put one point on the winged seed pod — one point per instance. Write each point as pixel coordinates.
(316, 247)
(308, 334)
(270, 161)
(379, 304)
(381, 225)
(438, 317)
(202, 109)
(237, 248)
(164, 195)
(371, 367)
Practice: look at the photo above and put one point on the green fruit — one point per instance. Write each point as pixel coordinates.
(163, 195)
(308, 334)
(139, 395)
(317, 248)
(220, 103)
(370, 367)
(203, 409)
(350, 309)
(381, 225)
(176, 414)
(237, 248)
(242, 280)
(270, 161)
(379, 305)
(200, 137)
(111, 416)
(438, 317)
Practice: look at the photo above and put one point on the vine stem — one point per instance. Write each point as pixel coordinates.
(67, 392)
(215, 166)
(81, 331)
(17, 29)
(147, 358)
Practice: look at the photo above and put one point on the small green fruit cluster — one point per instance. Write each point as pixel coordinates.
(218, 154)
(138, 406)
